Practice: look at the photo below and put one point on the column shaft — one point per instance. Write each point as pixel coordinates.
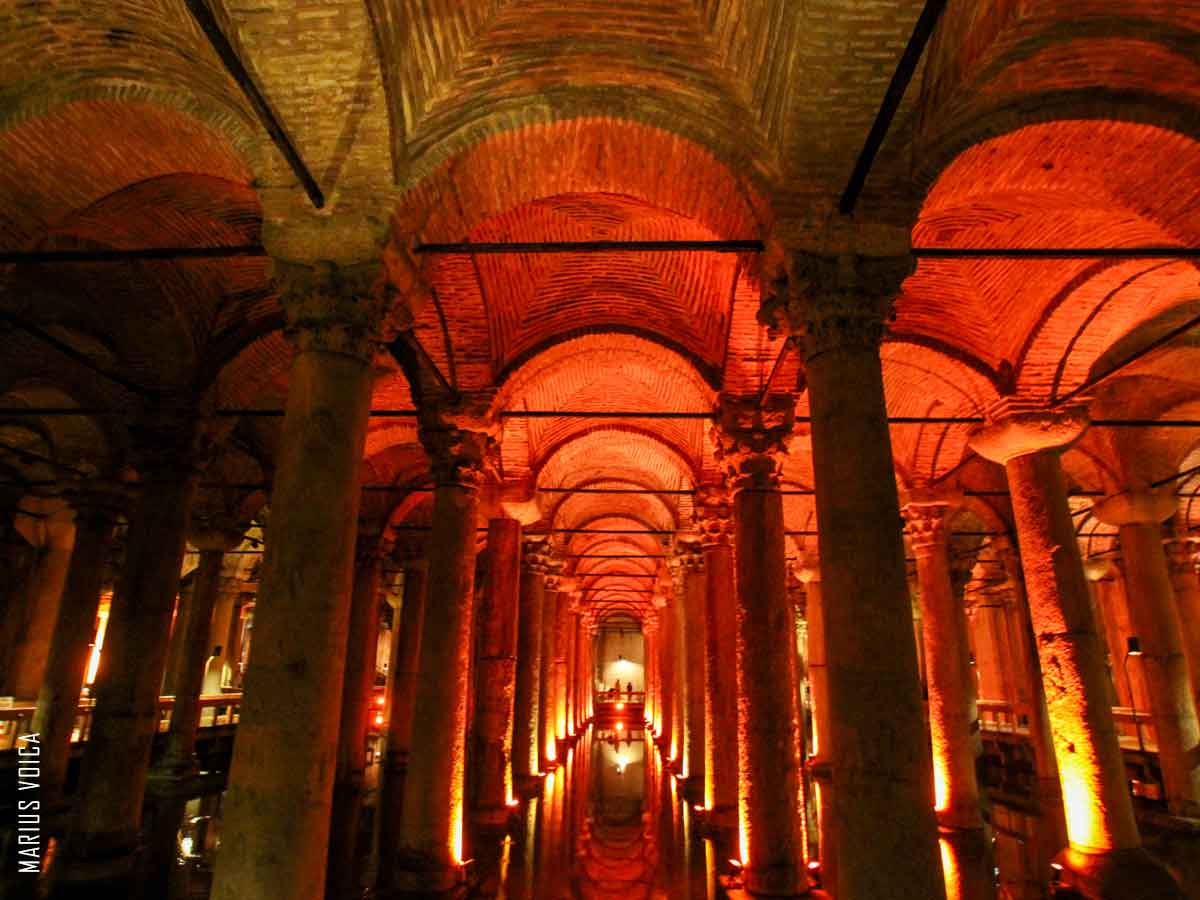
(695, 654)
(277, 807)
(526, 761)
(116, 760)
(1187, 598)
(720, 675)
(431, 836)
(46, 590)
(58, 700)
(547, 705)
(496, 678)
(1155, 620)
(358, 689)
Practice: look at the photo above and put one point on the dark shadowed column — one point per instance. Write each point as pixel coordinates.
(496, 674)
(358, 689)
(401, 708)
(104, 834)
(1105, 858)
(97, 507)
(882, 782)
(430, 853)
(1155, 619)
(277, 808)
(751, 436)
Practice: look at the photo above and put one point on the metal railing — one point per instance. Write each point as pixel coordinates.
(216, 710)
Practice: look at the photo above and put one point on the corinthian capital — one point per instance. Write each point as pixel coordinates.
(460, 439)
(336, 309)
(751, 438)
(714, 514)
(837, 302)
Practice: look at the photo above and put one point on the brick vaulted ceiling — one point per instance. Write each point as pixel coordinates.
(1029, 123)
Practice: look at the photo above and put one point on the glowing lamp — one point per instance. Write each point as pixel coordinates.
(620, 726)
(380, 700)
(379, 718)
(621, 705)
(813, 865)
(1133, 646)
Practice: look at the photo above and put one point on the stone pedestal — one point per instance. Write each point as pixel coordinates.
(97, 507)
(103, 839)
(430, 852)
(751, 439)
(496, 673)
(527, 702)
(358, 689)
(715, 512)
(277, 808)
(1155, 621)
(886, 832)
(953, 718)
(1099, 811)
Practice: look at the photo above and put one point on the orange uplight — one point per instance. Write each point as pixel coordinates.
(551, 751)
(379, 718)
(950, 870)
(1085, 821)
(380, 700)
(621, 705)
(620, 726)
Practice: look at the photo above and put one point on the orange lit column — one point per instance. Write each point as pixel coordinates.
(1105, 848)
(52, 523)
(752, 435)
(650, 645)
(431, 836)
(695, 654)
(527, 703)
(679, 719)
(402, 706)
(1154, 617)
(667, 693)
(715, 513)
(277, 807)
(547, 703)
(952, 713)
(179, 758)
(881, 767)
(496, 673)
(818, 685)
(104, 834)
(358, 688)
(97, 506)
(1181, 554)
(562, 650)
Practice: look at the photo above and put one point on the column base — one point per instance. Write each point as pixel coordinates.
(527, 785)
(110, 872)
(494, 817)
(1116, 875)
(692, 789)
(420, 875)
(775, 881)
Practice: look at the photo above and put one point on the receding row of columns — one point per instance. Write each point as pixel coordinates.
(885, 783)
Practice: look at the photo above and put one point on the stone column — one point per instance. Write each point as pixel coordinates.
(1181, 554)
(650, 638)
(527, 704)
(103, 838)
(97, 507)
(695, 655)
(219, 648)
(547, 703)
(751, 442)
(714, 509)
(881, 767)
(180, 755)
(56, 531)
(562, 650)
(953, 718)
(667, 691)
(497, 672)
(818, 683)
(1155, 619)
(430, 854)
(1104, 858)
(277, 807)
(679, 705)
(358, 688)
(402, 706)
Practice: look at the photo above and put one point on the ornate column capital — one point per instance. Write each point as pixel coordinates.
(335, 309)
(835, 302)
(689, 555)
(714, 514)
(460, 438)
(927, 523)
(1017, 428)
(98, 502)
(751, 438)
(1182, 556)
(535, 555)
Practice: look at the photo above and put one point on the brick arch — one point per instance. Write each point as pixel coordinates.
(587, 155)
(1065, 183)
(79, 442)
